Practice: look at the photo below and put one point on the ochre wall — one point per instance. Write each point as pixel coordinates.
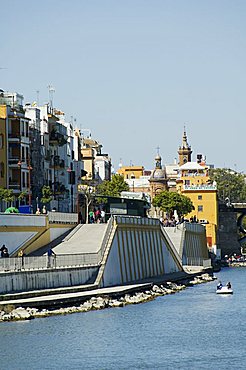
(3, 148)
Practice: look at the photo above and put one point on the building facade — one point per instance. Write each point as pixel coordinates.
(193, 181)
(16, 162)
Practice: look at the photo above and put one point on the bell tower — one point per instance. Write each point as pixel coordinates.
(184, 151)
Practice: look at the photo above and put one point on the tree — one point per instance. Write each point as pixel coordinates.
(7, 195)
(230, 184)
(22, 195)
(88, 195)
(46, 194)
(169, 202)
(114, 187)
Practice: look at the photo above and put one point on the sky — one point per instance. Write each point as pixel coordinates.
(135, 72)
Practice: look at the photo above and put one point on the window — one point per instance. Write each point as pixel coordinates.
(1, 141)
(2, 169)
(200, 208)
(199, 197)
(187, 182)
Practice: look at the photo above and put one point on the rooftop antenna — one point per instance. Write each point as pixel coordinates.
(83, 130)
(51, 92)
(37, 92)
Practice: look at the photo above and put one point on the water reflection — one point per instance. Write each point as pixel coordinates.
(193, 329)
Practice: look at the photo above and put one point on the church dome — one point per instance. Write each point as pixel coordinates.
(159, 174)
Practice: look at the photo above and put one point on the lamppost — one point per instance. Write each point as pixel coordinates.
(70, 180)
(29, 182)
(19, 164)
(29, 167)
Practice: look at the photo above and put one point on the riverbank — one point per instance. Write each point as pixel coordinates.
(10, 313)
(237, 264)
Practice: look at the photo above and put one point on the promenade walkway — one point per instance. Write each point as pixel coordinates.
(87, 239)
(83, 239)
(74, 297)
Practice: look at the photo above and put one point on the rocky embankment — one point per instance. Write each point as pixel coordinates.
(9, 313)
(238, 264)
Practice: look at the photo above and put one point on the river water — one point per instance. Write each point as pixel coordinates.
(193, 329)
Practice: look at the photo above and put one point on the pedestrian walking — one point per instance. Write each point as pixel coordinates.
(98, 216)
(91, 217)
(102, 216)
(4, 251)
(51, 254)
(21, 255)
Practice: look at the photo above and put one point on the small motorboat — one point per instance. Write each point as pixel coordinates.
(224, 290)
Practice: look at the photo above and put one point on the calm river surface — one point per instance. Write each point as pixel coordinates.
(193, 329)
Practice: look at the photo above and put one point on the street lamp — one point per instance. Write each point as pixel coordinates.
(19, 164)
(69, 171)
(29, 167)
(29, 183)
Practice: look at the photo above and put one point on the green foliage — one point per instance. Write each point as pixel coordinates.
(22, 195)
(46, 194)
(230, 184)
(114, 187)
(7, 195)
(169, 202)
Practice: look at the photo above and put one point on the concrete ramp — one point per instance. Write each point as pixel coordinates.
(86, 239)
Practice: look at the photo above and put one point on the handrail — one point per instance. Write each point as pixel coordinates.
(106, 236)
(45, 261)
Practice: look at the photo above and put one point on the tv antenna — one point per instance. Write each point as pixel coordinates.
(51, 95)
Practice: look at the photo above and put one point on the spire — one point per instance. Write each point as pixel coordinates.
(185, 144)
(184, 150)
(158, 158)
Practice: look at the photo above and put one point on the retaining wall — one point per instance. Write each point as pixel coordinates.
(22, 281)
(30, 232)
(138, 251)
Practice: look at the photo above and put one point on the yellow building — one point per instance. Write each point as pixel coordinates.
(90, 149)
(3, 146)
(88, 160)
(193, 181)
(131, 172)
(14, 144)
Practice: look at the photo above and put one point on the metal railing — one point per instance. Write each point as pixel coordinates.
(60, 217)
(46, 262)
(106, 236)
(196, 261)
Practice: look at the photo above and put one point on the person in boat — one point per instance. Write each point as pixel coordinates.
(220, 285)
(228, 285)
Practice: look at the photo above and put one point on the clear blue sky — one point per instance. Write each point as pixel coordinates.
(134, 71)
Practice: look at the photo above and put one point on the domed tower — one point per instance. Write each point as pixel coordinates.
(184, 151)
(158, 179)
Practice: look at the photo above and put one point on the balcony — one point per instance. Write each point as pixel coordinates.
(14, 135)
(13, 160)
(14, 185)
(57, 163)
(201, 187)
(56, 138)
